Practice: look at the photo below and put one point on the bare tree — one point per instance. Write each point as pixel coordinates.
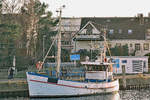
(12, 6)
(30, 12)
(31, 29)
(32, 19)
(0, 10)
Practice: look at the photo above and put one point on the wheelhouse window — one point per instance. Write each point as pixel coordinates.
(97, 68)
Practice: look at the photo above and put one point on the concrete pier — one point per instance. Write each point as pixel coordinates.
(13, 88)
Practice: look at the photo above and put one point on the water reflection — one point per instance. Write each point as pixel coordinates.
(15, 98)
(135, 95)
(115, 96)
(95, 97)
(122, 95)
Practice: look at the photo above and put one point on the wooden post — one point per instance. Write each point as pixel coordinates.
(124, 76)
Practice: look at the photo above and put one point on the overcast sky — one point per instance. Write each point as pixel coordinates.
(100, 8)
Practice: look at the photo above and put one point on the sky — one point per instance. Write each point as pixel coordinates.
(99, 8)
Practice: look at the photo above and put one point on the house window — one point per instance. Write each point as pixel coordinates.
(144, 64)
(146, 46)
(148, 32)
(118, 44)
(137, 46)
(3, 45)
(129, 31)
(130, 45)
(137, 65)
(65, 42)
(111, 31)
(146, 20)
(120, 31)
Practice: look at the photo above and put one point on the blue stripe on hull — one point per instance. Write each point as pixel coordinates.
(86, 80)
(33, 73)
(96, 80)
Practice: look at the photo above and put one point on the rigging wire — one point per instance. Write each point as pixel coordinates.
(50, 48)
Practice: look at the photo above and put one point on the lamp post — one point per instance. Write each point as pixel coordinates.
(59, 42)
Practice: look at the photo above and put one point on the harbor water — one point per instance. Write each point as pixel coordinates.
(121, 95)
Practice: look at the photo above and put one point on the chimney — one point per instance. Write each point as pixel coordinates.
(141, 18)
(139, 15)
(149, 14)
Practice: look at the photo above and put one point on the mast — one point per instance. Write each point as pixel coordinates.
(59, 43)
(105, 48)
(104, 54)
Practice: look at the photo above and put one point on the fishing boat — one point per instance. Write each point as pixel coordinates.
(98, 78)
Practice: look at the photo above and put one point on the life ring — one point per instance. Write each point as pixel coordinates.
(105, 59)
(39, 65)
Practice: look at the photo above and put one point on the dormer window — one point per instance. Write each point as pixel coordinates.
(108, 20)
(111, 31)
(89, 30)
(129, 31)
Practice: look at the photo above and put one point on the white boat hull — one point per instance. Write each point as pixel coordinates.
(40, 87)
